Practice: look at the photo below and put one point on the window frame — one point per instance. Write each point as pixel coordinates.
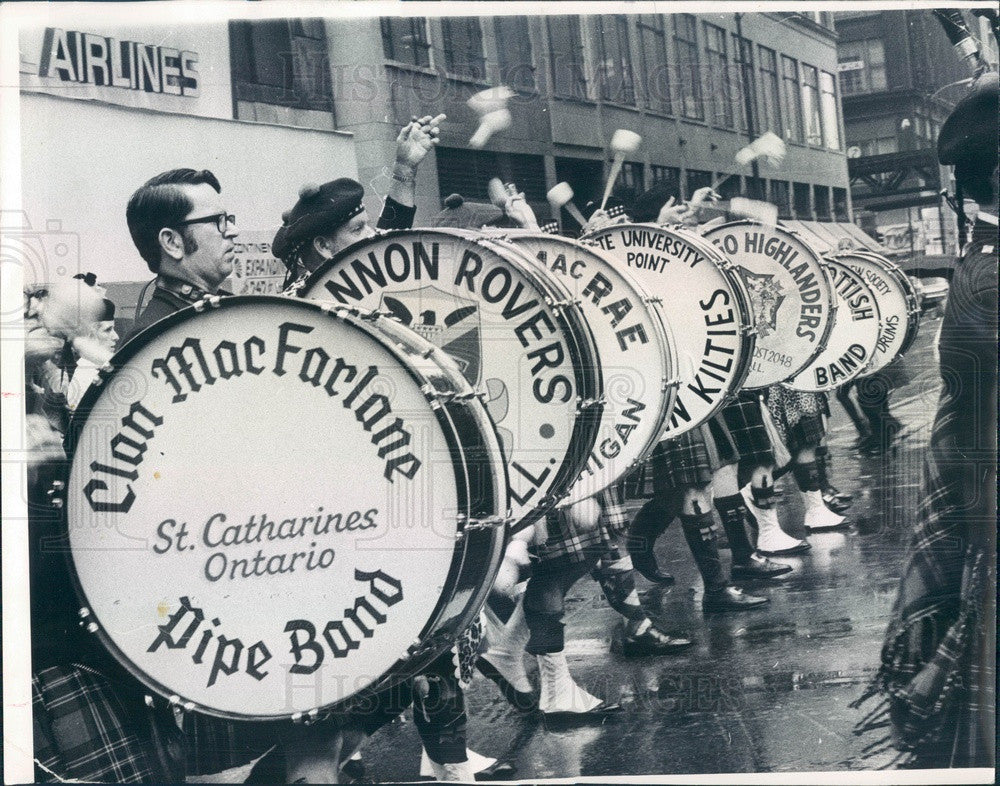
(506, 69)
(578, 75)
(718, 70)
(646, 26)
(791, 93)
(449, 50)
(689, 71)
(421, 43)
(769, 66)
(622, 69)
(810, 100)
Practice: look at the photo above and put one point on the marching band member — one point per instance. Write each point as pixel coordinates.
(332, 216)
(938, 672)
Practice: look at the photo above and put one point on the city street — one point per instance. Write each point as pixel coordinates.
(762, 691)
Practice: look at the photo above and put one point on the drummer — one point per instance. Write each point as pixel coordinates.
(329, 217)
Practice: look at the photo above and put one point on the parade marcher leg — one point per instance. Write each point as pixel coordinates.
(503, 662)
(772, 540)
(719, 595)
(860, 421)
(835, 499)
(649, 523)
(817, 515)
(746, 564)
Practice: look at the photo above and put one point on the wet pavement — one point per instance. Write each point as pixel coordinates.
(761, 691)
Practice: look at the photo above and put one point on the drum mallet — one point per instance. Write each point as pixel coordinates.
(561, 195)
(623, 142)
(494, 116)
(768, 146)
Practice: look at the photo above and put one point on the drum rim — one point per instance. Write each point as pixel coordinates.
(78, 422)
(860, 372)
(747, 332)
(666, 349)
(584, 434)
(827, 329)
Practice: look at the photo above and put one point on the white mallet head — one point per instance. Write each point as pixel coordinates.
(764, 212)
(768, 146)
(625, 141)
(559, 194)
(490, 124)
(486, 101)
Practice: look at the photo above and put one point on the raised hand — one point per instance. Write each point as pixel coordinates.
(416, 139)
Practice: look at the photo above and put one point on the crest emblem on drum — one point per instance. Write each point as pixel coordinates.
(766, 296)
(450, 323)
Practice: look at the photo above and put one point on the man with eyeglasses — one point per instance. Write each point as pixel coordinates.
(180, 225)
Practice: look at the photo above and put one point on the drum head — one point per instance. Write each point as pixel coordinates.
(706, 305)
(638, 360)
(789, 293)
(897, 304)
(851, 344)
(510, 328)
(265, 493)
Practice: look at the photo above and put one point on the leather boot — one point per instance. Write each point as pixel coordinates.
(649, 523)
(718, 596)
(835, 499)
(503, 662)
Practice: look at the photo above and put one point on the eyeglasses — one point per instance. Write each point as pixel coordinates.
(221, 221)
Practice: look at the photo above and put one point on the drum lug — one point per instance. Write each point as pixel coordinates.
(55, 493)
(210, 301)
(588, 403)
(666, 384)
(490, 522)
(657, 300)
(748, 330)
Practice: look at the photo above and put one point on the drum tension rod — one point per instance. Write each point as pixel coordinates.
(490, 522)
(55, 494)
(587, 403)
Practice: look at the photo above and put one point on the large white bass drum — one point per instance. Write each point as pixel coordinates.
(852, 342)
(897, 301)
(790, 295)
(636, 348)
(705, 303)
(514, 330)
(272, 492)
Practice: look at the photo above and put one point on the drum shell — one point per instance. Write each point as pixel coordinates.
(471, 440)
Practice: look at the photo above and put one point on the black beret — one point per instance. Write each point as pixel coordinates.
(647, 206)
(460, 214)
(320, 210)
(971, 129)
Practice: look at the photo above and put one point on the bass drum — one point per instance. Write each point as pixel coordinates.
(897, 299)
(514, 331)
(851, 344)
(790, 295)
(272, 490)
(638, 359)
(706, 305)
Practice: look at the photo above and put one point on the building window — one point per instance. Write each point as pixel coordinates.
(822, 201)
(281, 61)
(614, 60)
(840, 212)
(791, 101)
(828, 107)
(810, 105)
(653, 44)
(467, 172)
(720, 79)
(568, 64)
(743, 56)
(729, 187)
(631, 182)
(463, 47)
(862, 66)
(800, 193)
(696, 179)
(686, 47)
(780, 196)
(669, 176)
(514, 53)
(756, 188)
(404, 40)
(770, 107)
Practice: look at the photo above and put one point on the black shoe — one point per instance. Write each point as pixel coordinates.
(501, 771)
(837, 494)
(355, 770)
(760, 568)
(651, 572)
(838, 506)
(521, 701)
(653, 642)
(730, 599)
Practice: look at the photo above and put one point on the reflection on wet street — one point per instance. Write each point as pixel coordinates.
(761, 691)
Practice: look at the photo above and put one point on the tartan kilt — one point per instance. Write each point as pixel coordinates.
(746, 425)
(86, 730)
(567, 544)
(692, 458)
